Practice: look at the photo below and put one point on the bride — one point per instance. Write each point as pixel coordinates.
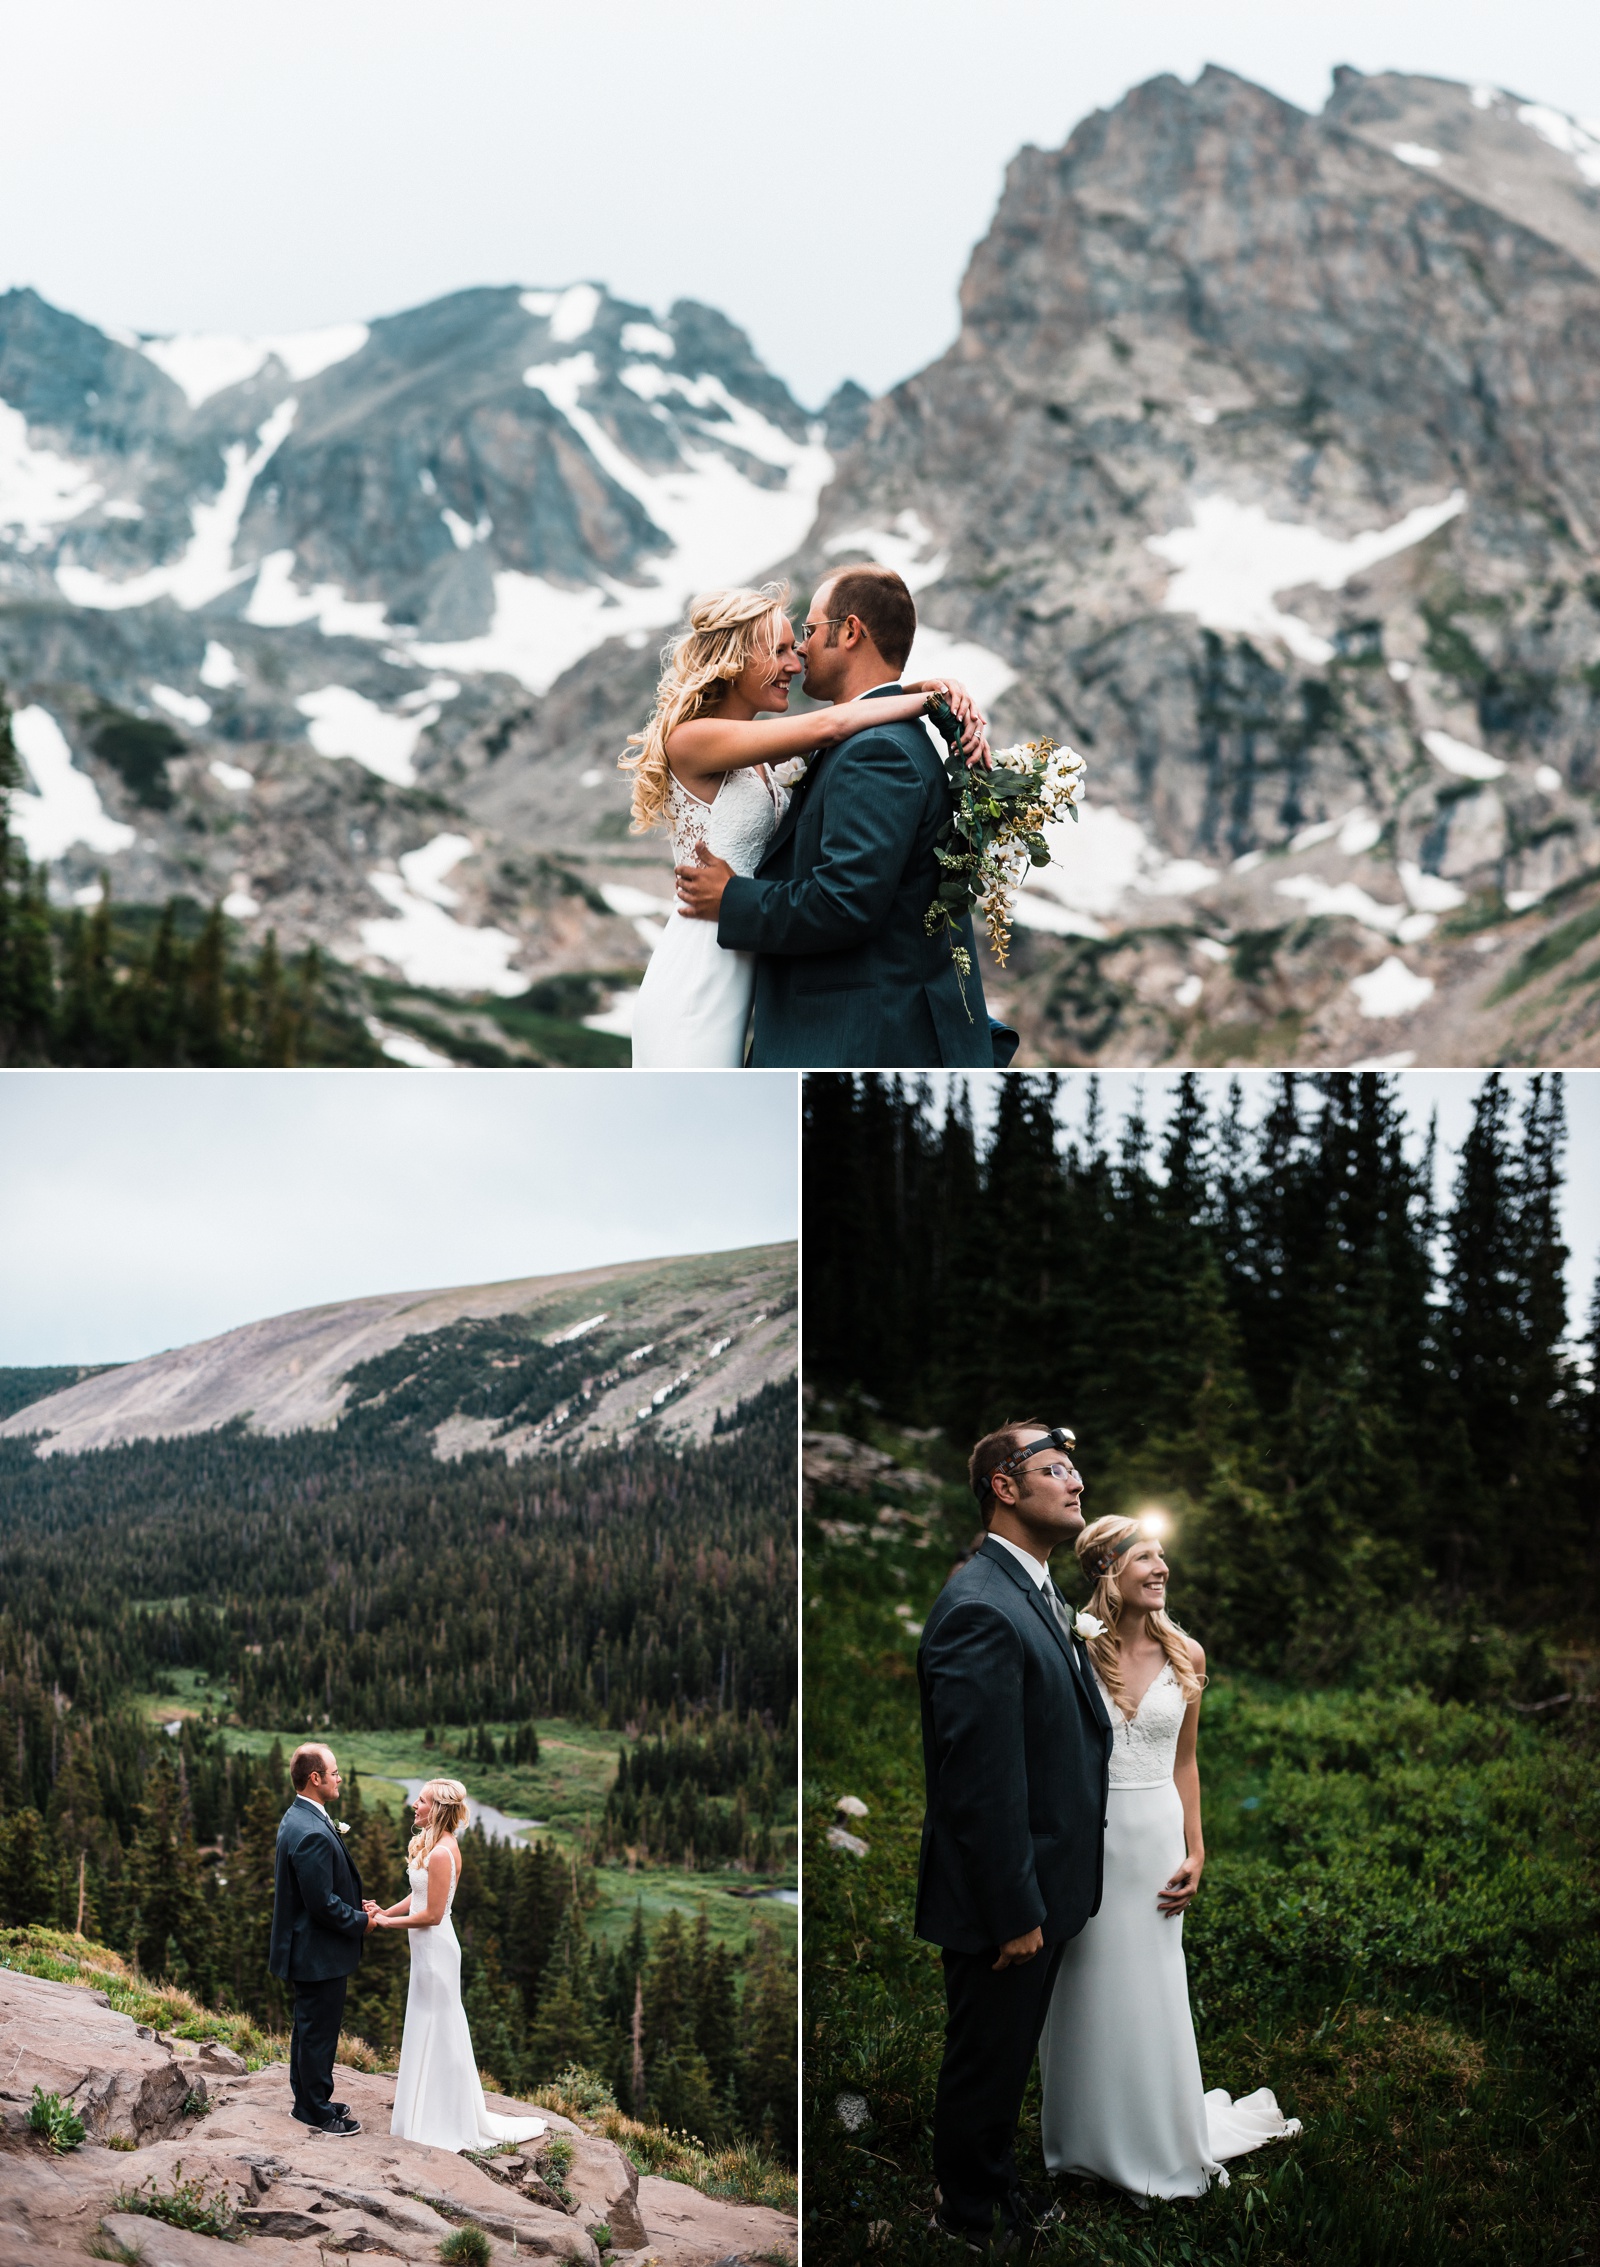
(705, 763)
(438, 2096)
(1121, 2073)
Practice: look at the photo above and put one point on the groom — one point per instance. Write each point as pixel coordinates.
(1016, 1748)
(847, 977)
(319, 1917)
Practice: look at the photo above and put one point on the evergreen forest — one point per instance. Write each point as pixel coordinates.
(326, 1582)
(1354, 1385)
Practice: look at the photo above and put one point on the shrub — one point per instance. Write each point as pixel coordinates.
(186, 2204)
(466, 2247)
(57, 2120)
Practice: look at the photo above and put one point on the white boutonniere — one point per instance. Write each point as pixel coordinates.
(1089, 1625)
(343, 1829)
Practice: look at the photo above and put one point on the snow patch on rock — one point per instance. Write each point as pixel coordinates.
(207, 363)
(345, 723)
(205, 569)
(1230, 564)
(38, 489)
(1391, 989)
(65, 807)
(423, 939)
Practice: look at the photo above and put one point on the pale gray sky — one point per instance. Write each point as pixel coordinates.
(820, 173)
(145, 1209)
(1450, 1093)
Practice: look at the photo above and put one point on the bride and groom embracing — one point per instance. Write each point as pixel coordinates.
(1060, 1849)
(804, 900)
(319, 1921)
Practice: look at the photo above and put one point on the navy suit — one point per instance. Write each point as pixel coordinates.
(317, 1927)
(846, 976)
(1016, 1748)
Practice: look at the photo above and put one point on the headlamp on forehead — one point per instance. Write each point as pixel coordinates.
(1058, 1437)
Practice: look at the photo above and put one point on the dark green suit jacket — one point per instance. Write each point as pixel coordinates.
(846, 977)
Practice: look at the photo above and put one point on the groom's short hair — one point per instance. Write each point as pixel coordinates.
(309, 1758)
(991, 1452)
(881, 603)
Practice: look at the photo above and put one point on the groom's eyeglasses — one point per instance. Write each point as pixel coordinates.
(809, 629)
(1058, 1437)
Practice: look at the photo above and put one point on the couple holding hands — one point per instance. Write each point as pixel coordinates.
(319, 1920)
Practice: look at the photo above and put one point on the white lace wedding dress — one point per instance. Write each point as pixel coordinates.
(1121, 2073)
(693, 1008)
(438, 2096)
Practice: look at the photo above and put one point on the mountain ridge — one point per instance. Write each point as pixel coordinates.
(724, 1325)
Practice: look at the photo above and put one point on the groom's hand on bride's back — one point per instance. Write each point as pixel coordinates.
(701, 885)
(1019, 1948)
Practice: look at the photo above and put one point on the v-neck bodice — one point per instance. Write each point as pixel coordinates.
(1144, 1746)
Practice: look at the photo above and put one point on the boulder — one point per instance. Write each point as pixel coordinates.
(216, 2056)
(73, 2043)
(687, 2229)
(301, 2194)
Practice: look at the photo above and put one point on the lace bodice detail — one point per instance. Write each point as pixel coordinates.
(737, 824)
(1144, 1751)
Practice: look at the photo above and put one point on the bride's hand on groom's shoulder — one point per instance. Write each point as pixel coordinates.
(974, 724)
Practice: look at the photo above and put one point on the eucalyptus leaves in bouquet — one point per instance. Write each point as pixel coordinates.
(995, 832)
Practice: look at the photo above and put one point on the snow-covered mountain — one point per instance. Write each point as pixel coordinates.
(255, 595)
(1265, 468)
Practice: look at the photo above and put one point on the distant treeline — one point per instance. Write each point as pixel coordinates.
(1359, 1404)
(336, 1578)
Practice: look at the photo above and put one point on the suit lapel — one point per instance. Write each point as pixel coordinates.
(807, 786)
(1040, 1599)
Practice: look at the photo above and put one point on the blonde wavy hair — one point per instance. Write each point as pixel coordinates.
(449, 1799)
(1094, 1548)
(728, 629)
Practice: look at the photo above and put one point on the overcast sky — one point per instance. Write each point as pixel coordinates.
(819, 173)
(1450, 1093)
(141, 1209)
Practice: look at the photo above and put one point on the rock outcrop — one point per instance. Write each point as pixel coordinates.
(296, 2195)
(1266, 470)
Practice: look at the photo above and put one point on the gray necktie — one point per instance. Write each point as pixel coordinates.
(1059, 1605)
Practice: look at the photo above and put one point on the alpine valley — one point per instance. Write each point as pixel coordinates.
(1263, 469)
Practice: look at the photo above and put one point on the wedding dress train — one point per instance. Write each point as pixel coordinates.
(438, 2096)
(1123, 2097)
(693, 1007)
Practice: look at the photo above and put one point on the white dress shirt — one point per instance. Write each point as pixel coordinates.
(1036, 1567)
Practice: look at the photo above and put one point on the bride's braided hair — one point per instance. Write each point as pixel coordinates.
(728, 629)
(449, 1799)
(1102, 1551)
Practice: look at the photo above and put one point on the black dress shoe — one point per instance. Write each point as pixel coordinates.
(997, 2243)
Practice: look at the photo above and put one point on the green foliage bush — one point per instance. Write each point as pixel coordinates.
(56, 2120)
(187, 2204)
(466, 2247)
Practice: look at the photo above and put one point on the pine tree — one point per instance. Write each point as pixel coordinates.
(27, 976)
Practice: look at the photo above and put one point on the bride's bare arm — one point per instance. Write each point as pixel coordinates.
(708, 746)
(441, 1863)
(1186, 1778)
